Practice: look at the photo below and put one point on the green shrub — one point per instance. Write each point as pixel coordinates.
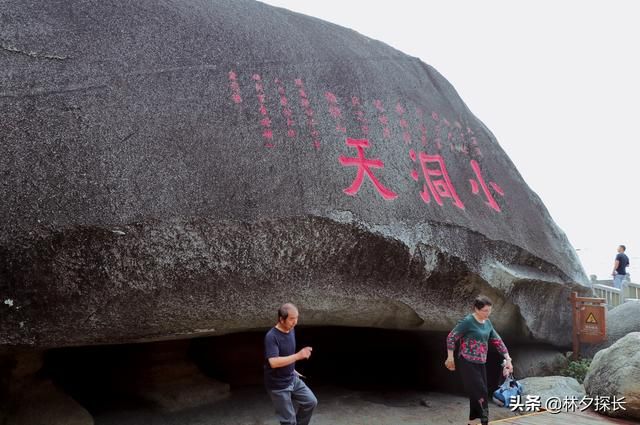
(577, 369)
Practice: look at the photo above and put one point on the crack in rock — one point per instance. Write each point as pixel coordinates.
(31, 54)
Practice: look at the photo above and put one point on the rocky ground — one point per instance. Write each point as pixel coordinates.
(251, 406)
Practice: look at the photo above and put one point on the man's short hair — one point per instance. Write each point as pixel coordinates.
(624, 248)
(283, 311)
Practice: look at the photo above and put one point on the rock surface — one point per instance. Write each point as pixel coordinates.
(41, 402)
(532, 361)
(620, 321)
(557, 387)
(337, 406)
(26, 398)
(181, 168)
(167, 378)
(615, 372)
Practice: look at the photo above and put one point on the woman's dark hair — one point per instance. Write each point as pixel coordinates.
(283, 311)
(481, 301)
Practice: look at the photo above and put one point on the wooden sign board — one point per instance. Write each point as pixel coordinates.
(588, 321)
(592, 324)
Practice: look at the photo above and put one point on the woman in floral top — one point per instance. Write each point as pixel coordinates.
(475, 333)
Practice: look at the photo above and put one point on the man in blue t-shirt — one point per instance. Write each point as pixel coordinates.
(281, 379)
(620, 267)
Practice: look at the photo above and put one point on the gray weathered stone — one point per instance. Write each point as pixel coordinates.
(557, 387)
(620, 321)
(530, 361)
(27, 398)
(41, 402)
(615, 372)
(146, 197)
(164, 375)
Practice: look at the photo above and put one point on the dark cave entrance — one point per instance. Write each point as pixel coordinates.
(365, 359)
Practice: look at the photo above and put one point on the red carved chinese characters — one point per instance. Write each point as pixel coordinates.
(421, 126)
(438, 129)
(265, 122)
(474, 142)
(449, 132)
(235, 87)
(474, 186)
(360, 116)
(404, 125)
(364, 167)
(308, 112)
(383, 119)
(437, 182)
(334, 111)
(433, 133)
(462, 146)
(286, 110)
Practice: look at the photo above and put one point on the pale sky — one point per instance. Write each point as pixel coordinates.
(557, 82)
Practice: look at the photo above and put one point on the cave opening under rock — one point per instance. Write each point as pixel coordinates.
(179, 374)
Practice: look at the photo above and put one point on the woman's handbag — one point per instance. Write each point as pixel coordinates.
(509, 388)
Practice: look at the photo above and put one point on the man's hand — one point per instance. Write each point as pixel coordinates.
(450, 364)
(305, 353)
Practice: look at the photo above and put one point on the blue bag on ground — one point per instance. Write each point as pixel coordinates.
(510, 387)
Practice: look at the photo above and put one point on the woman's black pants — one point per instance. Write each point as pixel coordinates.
(474, 377)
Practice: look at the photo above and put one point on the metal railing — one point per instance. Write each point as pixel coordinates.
(616, 296)
(632, 290)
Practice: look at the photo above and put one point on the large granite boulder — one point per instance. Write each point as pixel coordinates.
(163, 374)
(181, 168)
(29, 397)
(620, 321)
(537, 361)
(42, 402)
(552, 387)
(615, 372)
